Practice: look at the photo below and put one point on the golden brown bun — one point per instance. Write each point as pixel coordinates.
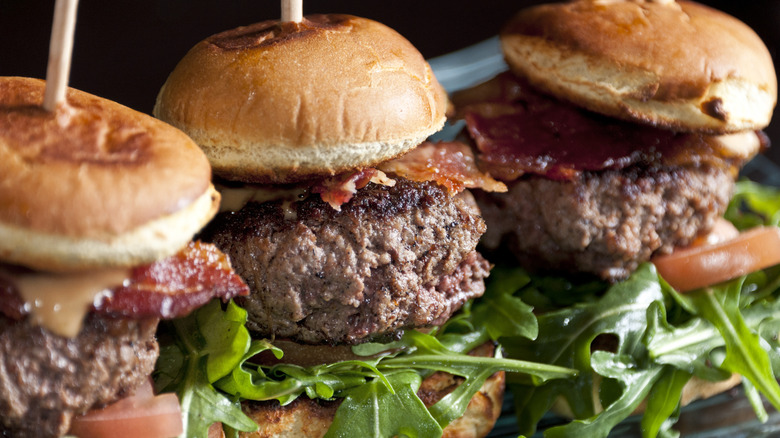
(94, 183)
(285, 102)
(678, 65)
(307, 418)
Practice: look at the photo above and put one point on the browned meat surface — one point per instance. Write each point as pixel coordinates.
(45, 379)
(604, 223)
(392, 258)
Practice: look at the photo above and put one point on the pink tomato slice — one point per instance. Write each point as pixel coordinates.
(140, 415)
(707, 264)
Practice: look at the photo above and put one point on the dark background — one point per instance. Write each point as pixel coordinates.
(125, 49)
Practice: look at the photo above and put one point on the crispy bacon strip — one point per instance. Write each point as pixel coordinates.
(526, 132)
(173, 287)
(449, 164)
(169, 288)
(339, 189)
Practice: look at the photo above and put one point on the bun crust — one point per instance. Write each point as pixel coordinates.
(678, 65)
(94, 175)
(283, 102)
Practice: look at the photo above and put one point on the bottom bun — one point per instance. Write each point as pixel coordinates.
(307, 418)
(695, 389)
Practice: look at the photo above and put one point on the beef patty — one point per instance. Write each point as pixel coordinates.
(392, 258)
(605, 223)
(46, 379)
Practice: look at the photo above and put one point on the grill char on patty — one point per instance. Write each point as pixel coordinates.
(45, 379)
(392, 258)
(605, 223)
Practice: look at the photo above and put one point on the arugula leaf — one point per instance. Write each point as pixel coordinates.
(203, 406)
(754, 204)
(565, 339)
(240, 382)
(637, 384)
(206, 356)
(500, 312)
(663, 339)
(687, 346)
(373, 410)
(226, 340)
(744, 354)
(285, 382)
(184, 366)
(416, 351)
(654, 357)
(663, 400)
(754, 397)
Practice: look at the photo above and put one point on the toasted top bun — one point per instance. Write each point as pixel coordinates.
(284, 102)
(94, 183)
(678, 65)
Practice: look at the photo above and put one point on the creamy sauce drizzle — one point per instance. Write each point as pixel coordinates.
(59, 302)
(235, 198)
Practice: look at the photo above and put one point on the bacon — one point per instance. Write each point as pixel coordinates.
(169, 288)
(11, 304)
(174, 287)
(449, 164)
(525, 132)
(339, 189)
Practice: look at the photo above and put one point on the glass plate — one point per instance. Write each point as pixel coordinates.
(726, 415)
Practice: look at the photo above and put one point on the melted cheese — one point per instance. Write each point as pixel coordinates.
(235, 198)
(59, 302)
(742, 145)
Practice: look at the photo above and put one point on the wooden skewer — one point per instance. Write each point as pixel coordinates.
(60, 51)
(292, 10)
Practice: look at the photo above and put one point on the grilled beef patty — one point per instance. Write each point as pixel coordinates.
(392, 258)
(46, 379)
(605, 223)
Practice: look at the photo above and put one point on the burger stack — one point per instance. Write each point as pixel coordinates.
(98, 206)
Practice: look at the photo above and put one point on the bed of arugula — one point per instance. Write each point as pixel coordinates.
(661, 339)
(204, 358)
(545, 325)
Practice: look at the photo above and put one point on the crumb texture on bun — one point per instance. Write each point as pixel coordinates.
(94, 183)
(679, 65)
(282, 102)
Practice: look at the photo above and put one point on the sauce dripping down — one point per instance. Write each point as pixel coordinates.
(59, 302)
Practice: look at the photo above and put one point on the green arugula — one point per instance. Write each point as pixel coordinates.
(378, 409)
(205, 358)
(195, 352)
(653, 339)
(656, 339)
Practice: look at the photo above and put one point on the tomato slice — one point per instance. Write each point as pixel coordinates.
(707, 264)
(140, 415)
